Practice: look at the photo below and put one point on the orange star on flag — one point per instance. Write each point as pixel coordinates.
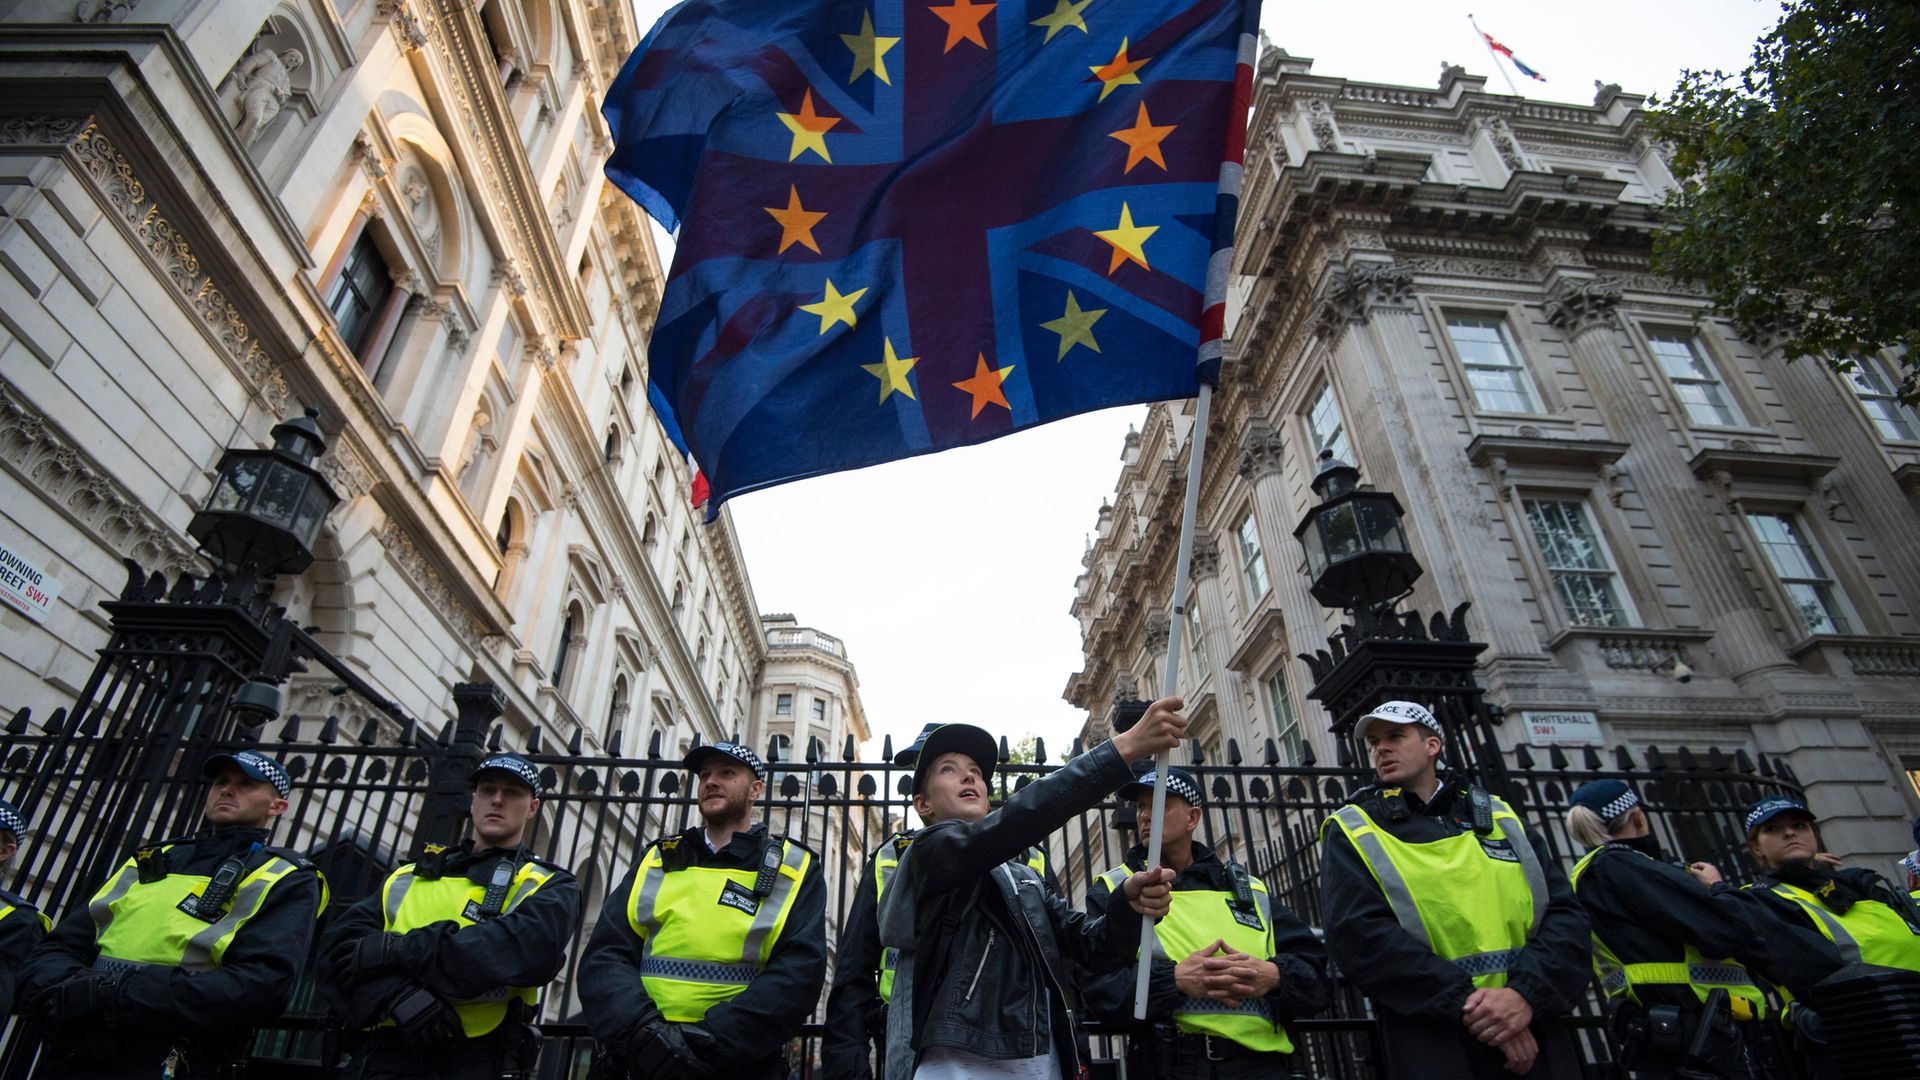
(796, 221)
(1143, 140)
(809, 129)
(963, 22)
(1118, 71)
(985, 386)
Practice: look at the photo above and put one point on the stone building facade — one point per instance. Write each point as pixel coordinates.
(1451, 289)
(216, 212)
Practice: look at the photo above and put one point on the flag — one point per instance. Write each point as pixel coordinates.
(1512, 59)
(910, 226)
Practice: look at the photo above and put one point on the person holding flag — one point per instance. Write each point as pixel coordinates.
(980, 992)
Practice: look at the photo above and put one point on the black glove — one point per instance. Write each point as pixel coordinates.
(357, 960)
(425, 1021)
(659, 1049)
(89, 999)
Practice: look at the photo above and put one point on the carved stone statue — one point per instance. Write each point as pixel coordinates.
(265, 82)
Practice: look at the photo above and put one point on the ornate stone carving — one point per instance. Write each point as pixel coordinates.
(346, 469)
(44, 459)
(1577, 306)
(104, 11)
(42, 130)
(1261, 452)
(1833, 502)
(406, 25)
(1320, 120)
(1153, 637)
(1611, 476)
(1500, 133)
(1886, 660)
(368, 156)
(1450, 71)
(507, 275)
(1205, 561)
(425, 578)
(1771, 336)
(264, 81)
(1643, 654)
(1367, 286)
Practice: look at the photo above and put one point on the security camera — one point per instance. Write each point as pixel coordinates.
(1681, 672)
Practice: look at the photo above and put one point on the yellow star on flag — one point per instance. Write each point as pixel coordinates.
(985, 386)
(1075, 326)
(835, 307)
(796, 221)
(892, 372)
(1065, 13)
(963, 22)
(1128, 240)
(1118, 71)
(1143, 140)
(809, 129)
(869, 51)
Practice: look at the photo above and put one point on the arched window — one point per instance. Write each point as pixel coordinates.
(572, 633)
(503, 538)
(617, 709)
(782, 748)
(613, 444)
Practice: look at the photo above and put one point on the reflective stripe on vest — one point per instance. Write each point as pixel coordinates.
(1870, 932)
(137, 923)
(884, 862)
(410, 902)
(1453, 896)
(699, 945)
(1195, 919)
(1620, 979)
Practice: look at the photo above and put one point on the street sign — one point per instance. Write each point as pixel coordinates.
(24, 587)
(1562, 728)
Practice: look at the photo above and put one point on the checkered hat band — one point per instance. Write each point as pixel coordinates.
(1627, 801)
(1768, 807)
(1176, 785)
(10, 821)
(275, 775)
(735, 750)
(519, 767)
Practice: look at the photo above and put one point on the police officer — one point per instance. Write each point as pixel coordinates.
(21, 924)
(445, 962)
(1244, 964)
(1675, 958)
(187, 947)
(709, 956)
(1449, 915)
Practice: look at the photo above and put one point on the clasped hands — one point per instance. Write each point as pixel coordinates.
(1500, 1017)
(1225, 975)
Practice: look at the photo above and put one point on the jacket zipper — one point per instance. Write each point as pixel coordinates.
(984, 953)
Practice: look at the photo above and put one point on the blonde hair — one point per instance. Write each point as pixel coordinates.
(1587, 827)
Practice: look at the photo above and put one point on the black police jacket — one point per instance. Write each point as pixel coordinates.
(253, 984)
(1798, 954)
(1420, 996)
(526, 946)
(1298, 953)
(1646, 908)
(854, 1008)
(753, 1025)
(987, 932)
(19, 933)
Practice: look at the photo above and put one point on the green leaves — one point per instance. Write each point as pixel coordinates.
(1798, 208)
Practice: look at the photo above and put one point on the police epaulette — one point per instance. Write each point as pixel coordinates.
(299, 861)
(548, 863)
(898, 841)
(803, 847)
(14, 898)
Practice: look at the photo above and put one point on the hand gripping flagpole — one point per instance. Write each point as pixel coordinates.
(1213, 326)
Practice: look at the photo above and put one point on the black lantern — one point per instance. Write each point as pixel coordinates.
(267, 505)
(1357, 552)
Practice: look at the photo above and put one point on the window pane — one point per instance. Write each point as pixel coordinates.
(1253, 569)
(1292, 743)
(1881, 399)
(1797, 566)
(1494, 372)
(1582, 576)
(1323, 419)
(1694, 379)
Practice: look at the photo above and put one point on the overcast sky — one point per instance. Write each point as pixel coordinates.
(950, 576)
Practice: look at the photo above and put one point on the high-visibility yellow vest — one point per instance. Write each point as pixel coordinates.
(1196, 918)
(705, 933)
(1693, 969)
(138, 923)
(885, 861)
(1471, 899)
(10, 904)
(1870, 932)
(409, 901)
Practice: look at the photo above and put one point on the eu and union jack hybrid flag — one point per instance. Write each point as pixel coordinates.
(905, 225)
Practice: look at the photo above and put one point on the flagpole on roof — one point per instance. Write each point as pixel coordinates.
(1494, 56)
(1213, 323)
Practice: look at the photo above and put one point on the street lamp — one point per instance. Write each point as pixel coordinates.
(1357, 553)
(267, 506)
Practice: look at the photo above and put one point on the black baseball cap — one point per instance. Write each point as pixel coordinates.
(938, 739)
(736, 751)
(254, 764)
(511, 764)
(1179, 782)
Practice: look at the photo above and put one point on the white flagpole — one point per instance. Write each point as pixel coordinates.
(1170, 677)
(1497, 65)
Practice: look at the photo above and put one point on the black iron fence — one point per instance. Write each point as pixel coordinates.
(122, 766)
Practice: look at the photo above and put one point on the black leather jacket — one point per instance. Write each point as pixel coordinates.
(983, 935)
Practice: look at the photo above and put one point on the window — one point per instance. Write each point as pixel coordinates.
(1323, 420)
(612, 450)
(781, 747)
(503, 538)
(1694, 378)
(1494, 371)
(819, 711)
(1253, 569)
(1880, 396)
(568, 628)
(783, 705)
(1801, 574)
(1293, 744)
(359, 293)
(1196, 646)
(1577, 562)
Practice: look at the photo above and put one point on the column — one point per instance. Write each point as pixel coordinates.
(1215, 634)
